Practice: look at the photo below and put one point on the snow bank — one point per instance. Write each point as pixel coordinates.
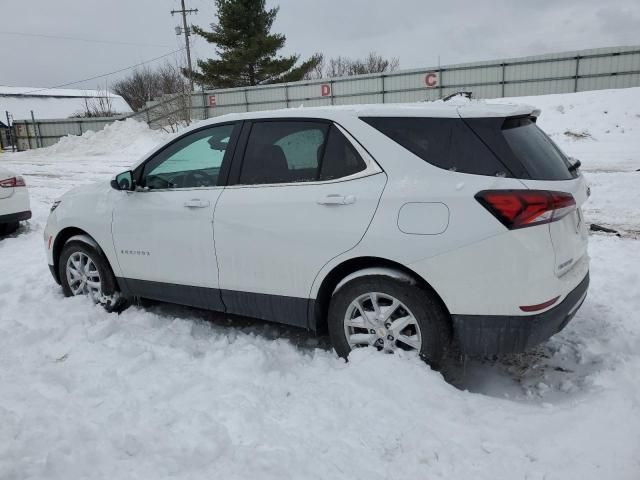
(129, 137)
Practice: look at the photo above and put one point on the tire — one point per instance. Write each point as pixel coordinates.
(429, 322)
(98, 281)
(7, 228)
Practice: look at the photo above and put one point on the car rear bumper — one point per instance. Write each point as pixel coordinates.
(498, 334)
(15, 217)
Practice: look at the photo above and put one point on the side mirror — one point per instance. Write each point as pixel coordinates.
(123, 181)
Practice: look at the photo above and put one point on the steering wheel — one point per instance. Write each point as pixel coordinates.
(197, 179)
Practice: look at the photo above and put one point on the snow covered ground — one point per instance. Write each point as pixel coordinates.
(174, 392)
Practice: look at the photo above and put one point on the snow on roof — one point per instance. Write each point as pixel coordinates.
(52, 92)
(49, 103)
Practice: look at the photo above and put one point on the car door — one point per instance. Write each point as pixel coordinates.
(302, 193)
(163, 231)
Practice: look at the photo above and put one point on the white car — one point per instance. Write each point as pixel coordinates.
(14, 201)
(397, 227)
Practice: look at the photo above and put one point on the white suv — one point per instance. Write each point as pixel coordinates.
(397, 227)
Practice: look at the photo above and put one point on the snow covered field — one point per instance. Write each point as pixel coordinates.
(175, 392)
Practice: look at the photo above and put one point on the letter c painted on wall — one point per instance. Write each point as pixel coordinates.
(431, 79)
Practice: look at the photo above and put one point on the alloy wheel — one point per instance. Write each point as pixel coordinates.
(83, 276)
(382, 321)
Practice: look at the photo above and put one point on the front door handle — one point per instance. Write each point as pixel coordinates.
(335, 199)
(196, 203)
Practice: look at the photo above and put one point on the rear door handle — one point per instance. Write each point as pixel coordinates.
(196, 203)
(335, 199)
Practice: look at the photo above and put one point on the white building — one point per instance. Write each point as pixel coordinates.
(48, 103)
(52, 103)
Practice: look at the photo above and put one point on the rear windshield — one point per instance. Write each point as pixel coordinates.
(511, 147)
(535, 150)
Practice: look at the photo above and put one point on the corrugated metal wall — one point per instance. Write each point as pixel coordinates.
(614, 67)
(44, 133)
(577, 71)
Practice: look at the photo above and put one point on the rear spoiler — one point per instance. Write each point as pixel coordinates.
(472, 110)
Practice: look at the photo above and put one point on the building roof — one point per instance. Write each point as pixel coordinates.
(51, 103)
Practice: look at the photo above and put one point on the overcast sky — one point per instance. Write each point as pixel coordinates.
(416, 31)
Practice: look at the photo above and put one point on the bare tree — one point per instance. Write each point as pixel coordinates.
(345, 67)
(100, 105)
(317, 71)
(172, 112)
(138, 88)
(146, 84)
(375, 63)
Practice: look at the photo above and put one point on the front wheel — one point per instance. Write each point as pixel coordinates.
(83, 270)
(389, 315)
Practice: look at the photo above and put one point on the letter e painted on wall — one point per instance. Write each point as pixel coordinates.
(212, 100)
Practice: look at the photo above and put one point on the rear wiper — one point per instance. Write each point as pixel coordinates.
(575, 165)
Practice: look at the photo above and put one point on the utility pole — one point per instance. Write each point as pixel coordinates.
(186, 30)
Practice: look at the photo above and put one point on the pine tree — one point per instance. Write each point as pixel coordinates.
(247, 49)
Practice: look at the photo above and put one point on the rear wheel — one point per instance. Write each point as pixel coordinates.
(83, 270)
(389, 315)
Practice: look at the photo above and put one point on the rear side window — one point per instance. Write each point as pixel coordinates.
(447, 143)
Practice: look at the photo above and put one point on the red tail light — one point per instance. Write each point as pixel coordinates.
(540, 306)
(525, 208)
(12, 182)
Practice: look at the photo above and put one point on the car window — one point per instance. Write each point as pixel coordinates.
(522, 147)
(447, 143)
(340, 157)
(193, 161)
(283, 152)
(301, 148)
(535, 150)
(297, 151)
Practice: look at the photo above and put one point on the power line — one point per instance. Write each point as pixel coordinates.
(78, 39)
(105, 74)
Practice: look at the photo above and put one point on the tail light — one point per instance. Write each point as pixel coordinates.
(12, 182)
(540, 306)
(525, 208)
